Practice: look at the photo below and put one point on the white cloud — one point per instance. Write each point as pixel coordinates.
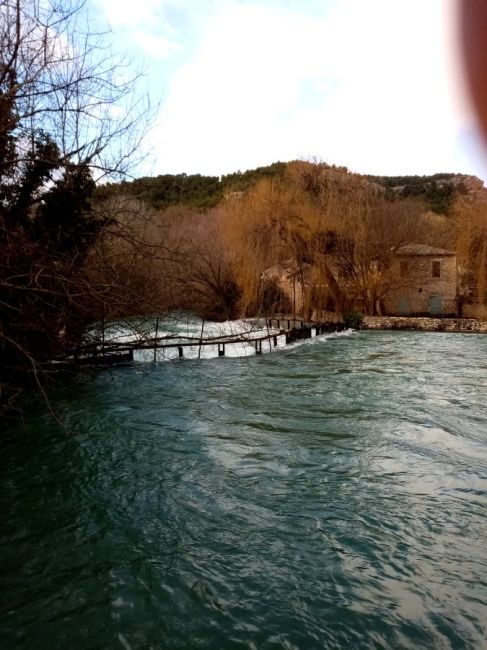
(143, 24)
(373, 85)
(126, 13)
(156, 47)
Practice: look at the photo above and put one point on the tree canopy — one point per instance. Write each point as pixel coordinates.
(60, 90)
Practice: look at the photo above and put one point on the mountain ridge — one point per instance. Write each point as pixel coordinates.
(204, 192)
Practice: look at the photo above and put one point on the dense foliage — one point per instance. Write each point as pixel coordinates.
(56, 131)
(164, 190)
(439, 191)
(192, 190)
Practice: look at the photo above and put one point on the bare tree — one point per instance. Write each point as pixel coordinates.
(470, 240)
(370, 231)
(61, 78)
(69, 114)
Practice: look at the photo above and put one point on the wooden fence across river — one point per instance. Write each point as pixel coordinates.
(112, 351)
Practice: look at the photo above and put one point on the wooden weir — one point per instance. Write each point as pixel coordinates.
(113, 352)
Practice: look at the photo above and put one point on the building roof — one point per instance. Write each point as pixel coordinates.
(422, 249)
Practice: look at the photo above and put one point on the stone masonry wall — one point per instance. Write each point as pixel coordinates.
(412, 293)
(474, 310)
(424, 324)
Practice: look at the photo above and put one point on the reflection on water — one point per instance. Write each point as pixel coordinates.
(331, 494)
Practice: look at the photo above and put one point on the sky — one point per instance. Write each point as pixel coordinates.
(375, 85)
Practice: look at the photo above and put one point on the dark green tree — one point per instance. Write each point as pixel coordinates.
(58, 91)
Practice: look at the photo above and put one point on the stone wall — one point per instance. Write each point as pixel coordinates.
(474, 310)
(424, 324)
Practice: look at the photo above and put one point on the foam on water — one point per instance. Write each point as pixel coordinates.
(178, 328)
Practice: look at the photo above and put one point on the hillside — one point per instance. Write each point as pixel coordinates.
(196, 191)
(204, 192)
(438, 190)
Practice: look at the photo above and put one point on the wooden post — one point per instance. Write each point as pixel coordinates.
(103, 330)
(294, 300)
(180, 351)
(221, 350)
(275, 340)
(269, 335)
(155, 339)
(201, 338)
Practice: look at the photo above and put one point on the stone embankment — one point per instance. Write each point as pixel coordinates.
(424, 324)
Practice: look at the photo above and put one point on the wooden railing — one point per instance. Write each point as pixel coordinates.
(111, 352)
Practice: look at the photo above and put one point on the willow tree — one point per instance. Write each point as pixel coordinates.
(67, 113)
(269, 225)
(365, 228)
(470, 241)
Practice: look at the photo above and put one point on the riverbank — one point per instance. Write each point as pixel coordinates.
(425, 324)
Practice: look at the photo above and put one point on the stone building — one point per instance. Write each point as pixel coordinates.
(418, 280)
(425, 281)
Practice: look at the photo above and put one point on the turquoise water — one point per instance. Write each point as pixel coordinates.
(329, 495)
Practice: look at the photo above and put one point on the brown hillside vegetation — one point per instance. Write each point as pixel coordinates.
(331, 232)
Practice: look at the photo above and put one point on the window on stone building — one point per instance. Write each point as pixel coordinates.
(403, 269)
(436, 269)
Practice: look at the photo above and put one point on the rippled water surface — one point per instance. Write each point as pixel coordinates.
(330, 495)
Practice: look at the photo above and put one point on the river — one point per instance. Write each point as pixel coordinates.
(331, 494)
